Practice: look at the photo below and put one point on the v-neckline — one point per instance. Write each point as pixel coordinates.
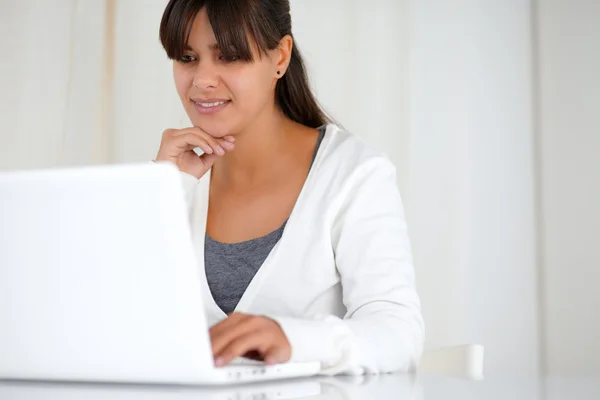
(259, 277)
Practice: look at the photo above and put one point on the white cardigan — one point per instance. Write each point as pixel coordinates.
(340, 282)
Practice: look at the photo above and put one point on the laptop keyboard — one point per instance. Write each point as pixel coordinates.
(241, 361)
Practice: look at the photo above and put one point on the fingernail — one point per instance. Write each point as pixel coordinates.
(230, 138)
(272, 360)
(208, 150)
(219, 362)
(219, 150)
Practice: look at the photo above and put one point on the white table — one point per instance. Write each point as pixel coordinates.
(361, 388)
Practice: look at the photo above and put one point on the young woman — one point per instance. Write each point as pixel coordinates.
(299, 225)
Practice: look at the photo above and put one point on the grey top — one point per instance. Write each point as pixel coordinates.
(231, 266)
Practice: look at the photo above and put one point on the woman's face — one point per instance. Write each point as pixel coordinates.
(222, 97)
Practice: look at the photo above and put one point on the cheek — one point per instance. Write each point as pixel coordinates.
(251, 90)
(182, 81)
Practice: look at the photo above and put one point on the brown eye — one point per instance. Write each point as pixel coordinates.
(228, 59)
(187, 59)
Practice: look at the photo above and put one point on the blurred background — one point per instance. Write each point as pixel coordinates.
(489, 108)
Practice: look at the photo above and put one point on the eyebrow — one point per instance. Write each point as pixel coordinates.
(214, 46)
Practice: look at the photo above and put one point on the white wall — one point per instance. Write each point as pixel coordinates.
(569, 130)
(144, 99)
(471, 197)
(51, 79)
(357, 56)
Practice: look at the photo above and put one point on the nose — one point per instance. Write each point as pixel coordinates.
(206, 76)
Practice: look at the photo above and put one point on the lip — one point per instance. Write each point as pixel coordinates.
(210, 110)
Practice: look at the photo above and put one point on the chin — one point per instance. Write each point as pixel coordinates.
(215, 129)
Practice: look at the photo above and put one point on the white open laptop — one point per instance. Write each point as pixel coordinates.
(99, 281)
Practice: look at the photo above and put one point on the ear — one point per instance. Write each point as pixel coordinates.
(283, 55)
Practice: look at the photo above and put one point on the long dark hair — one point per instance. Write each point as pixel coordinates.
(265, 22)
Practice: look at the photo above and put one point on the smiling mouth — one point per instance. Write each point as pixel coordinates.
(210, 107)
(213, 104)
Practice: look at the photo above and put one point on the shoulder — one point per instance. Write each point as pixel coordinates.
(347, 157)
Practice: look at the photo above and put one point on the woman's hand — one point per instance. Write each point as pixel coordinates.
(178, 145)
(242, 335)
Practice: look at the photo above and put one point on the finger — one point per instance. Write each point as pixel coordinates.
(206, 149)
(188, 141)
(275, 355)
(215, 142)
(211, 145)
(253, 341)
(208, 160)
(228, 323)
(212, 142)
(196, 132)
(224, 338)
(227, 146)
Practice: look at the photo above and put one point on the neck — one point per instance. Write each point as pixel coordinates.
(255, 149)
